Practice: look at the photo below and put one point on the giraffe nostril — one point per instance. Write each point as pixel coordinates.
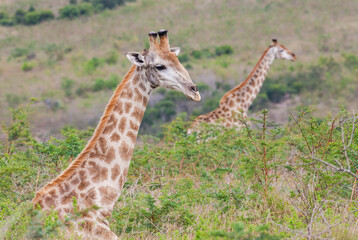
(194, 88)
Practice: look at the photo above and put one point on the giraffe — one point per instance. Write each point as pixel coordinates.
(239, 99)
(97, 175)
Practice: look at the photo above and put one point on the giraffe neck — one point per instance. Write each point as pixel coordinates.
(241, 97)
(97, 176)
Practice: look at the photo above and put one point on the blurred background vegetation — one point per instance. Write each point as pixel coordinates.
(291, 177)
(69, 55)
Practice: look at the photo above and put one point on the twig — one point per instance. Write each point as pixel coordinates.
(338, 169)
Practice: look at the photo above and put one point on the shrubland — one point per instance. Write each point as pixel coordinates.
(265, 181)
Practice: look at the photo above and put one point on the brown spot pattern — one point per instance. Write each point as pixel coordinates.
(75, 181)
(68, 198)
(127, 107)
(125, 151)
(87, 225)
(102, 144)
(97, 172)
(116, 170)
(137, 114)
(134, 126)
(83, 180)
(145, 101)
(132, 136)
(49, 201)
(135, 79)
(111, 124)
(108, 195)
(122, 124)
(90, 198)
(119, 108)
(115, 137)
(138, 95)
(141, 86)
(110, 156)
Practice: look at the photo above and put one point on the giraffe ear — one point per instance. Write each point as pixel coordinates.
(135, 58)
(175, 50)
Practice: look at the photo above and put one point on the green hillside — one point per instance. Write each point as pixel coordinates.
(65, 64)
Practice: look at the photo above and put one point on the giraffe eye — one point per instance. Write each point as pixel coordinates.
(160, 67)
(281, 50)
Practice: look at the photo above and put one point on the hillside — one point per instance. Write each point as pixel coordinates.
(58, 62)
(291, 174)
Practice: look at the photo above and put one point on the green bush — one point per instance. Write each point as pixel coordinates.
(7, 22)
(31, 9)
(67, 86)
(32, 18)
(3, 15)
(350, 61)
(27, 66)
(197, 54)
(112, 82)
(99, 85)
(19, 52)
(70, 12)
(19, 16)
(106, 4)
(112, 58)
(45, 15)
(224, 50)
(85, 9)
(183, 58)
(91, 65)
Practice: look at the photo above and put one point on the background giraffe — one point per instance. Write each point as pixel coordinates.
(97, 175)
(239, 99)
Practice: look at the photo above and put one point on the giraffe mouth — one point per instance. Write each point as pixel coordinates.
(195, 98)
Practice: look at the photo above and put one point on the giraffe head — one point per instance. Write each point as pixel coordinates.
(162, 68)
(281, 52)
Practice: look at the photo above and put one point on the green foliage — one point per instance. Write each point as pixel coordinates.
(13, 100)
(112, 58)
(19, 16)
(56, 52)
(69, 11)
(239, 233)
(5, 20)
(24, 52)
(85, 9)
(67, 86)
(224, 50)
(101, 84)
(91, 65)
(27, 66)
(35, 17)
(3, 15)
(350, 61)
(32, 18)
(45, 15)
(183, 58)
(196, 54)
(200, 183)
(31, 9)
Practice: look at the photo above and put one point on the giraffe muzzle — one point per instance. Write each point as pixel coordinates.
(195, 91)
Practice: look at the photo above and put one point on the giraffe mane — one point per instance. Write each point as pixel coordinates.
(246, 80)
(68, 172)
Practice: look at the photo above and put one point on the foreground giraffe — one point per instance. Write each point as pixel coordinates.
(97, 175)
(239, 99)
